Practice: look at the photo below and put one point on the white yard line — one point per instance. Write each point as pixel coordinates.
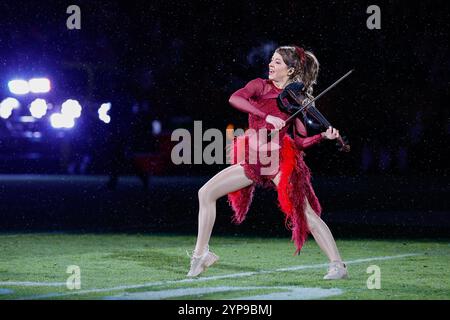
(32, 284)
(288, 293)
(203, 279)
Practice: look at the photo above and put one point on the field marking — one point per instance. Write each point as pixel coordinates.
(296, 293)
(203, 279)
(288, 293)
(32, 284)
(6, 291)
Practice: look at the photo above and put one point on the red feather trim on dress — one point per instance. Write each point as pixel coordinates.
(240, 201)
(294, 187)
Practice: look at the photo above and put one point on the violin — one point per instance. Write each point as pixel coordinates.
(294, 100)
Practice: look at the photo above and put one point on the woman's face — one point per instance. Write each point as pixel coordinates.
(278, 70)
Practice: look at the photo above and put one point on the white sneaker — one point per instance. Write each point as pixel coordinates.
(337, 270)
(199, 264)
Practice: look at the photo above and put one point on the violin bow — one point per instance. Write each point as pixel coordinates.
(292, 94)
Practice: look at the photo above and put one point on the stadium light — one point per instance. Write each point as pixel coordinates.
(59, 121)
(7, 106)
(5, 113)
(39, 85)
(19, 87)
(103, 112)
(71, 108)
(11, 103)
(38, 108)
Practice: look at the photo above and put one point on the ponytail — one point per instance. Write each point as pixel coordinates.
(311, 71)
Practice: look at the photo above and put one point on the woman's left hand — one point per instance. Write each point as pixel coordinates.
(331, 133)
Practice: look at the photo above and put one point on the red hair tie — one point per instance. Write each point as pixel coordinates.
(301, 54)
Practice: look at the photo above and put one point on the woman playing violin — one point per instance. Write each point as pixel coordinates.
(291, 177)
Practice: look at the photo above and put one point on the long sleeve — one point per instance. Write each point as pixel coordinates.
(240, 99)
(305, 142)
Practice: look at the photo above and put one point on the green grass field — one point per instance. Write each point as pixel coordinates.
(34, 266)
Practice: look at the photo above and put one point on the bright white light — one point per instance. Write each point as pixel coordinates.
(11, 103)
(5, 113)
(39, 85)
(103, 112)
(7, 106)
(27, 119)
(59, 121)
(38, 108)
(106, 119)
(19, 86)
(71, 108)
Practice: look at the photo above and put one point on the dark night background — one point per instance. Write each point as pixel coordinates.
(179, 61)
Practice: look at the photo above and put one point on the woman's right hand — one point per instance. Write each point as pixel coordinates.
(331, 133)
(278, 123)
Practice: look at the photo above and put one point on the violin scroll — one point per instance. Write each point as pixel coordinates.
(342, 144)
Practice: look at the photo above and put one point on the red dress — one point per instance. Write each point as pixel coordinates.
(259, 99)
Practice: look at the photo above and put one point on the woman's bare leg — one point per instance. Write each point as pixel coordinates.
(319, 230)
(322, 234)
(226, 181)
